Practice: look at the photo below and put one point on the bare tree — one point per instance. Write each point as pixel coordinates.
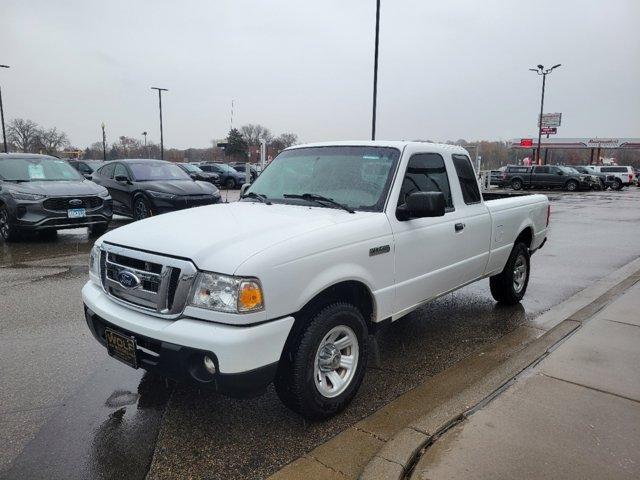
(51, 140)
(283, 141)
(254, 132)
(23, 134)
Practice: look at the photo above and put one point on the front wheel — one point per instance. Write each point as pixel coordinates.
(510, 285)
(571, 186)
(230, 183)
(324, 365)
(7, 231)
(141, 208)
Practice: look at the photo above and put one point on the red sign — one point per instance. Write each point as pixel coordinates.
(526, 142)
(549, 130)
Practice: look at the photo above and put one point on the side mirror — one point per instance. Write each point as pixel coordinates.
(194, 176)
(244, 188)
(121, 178)
(422, 204)
(88, 176)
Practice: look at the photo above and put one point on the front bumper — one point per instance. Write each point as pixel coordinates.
(33, 216)
(162, 205)
(246, 358)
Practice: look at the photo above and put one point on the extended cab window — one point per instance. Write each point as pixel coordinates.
(541, 170)
(426, 173)
(467, 179)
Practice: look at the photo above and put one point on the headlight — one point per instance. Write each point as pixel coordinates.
(225, 293)
(94, 265)
(166, 196)
(104, 194)
(581, 178)
(26, 196)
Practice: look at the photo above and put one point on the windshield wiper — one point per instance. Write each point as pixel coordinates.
(314, 197)
(259, 196)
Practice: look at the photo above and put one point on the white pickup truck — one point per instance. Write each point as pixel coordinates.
(330, 242)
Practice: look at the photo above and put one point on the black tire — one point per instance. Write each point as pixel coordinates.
(7, 231)
(98, 229)
(230, 183)
(295, 380)
(571, 186)
(516, 184)
(617, 184)
(141, 208)
(503, 285)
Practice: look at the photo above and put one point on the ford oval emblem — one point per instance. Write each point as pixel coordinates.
(76, 202)
(128, 279)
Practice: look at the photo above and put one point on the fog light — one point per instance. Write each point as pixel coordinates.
(209, 365)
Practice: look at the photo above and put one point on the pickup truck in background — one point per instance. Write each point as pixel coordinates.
(546, 176)
(329, 243)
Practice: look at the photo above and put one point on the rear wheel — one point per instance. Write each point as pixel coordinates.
(617, 184)
(516, 184)
(571, 186)
(141, 208)
(510, 285)
(7, 231)
(230, 183)
(324, 365)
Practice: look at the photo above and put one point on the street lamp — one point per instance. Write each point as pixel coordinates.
(145, 143)
(540, 70)
(375, 73)
(160, 90)
(4, 133)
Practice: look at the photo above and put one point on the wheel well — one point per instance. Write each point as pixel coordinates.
(353, 292)
(525, 236)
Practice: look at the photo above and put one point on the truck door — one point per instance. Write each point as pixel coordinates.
(540, 177)
(426, 253)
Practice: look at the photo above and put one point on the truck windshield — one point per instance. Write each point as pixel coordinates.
(37, 169)
(358, 177)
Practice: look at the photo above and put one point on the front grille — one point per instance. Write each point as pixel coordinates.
(155, 283)
(65, 203)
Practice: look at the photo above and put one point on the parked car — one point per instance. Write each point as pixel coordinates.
(544, 176)
(604, 181)
(86, 167)
(141, 188)
(195, 172)
(331, 242)
(623, 175)
(592, 179)
(229, 177)
(242, 168)
(45, 194)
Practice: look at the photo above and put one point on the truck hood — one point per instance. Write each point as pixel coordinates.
(221, 237)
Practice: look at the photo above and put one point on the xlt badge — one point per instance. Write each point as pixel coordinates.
(379, 250)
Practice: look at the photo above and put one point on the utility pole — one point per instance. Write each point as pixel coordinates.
(375, 73)
(104, 144)
(4, 133)
(540, 70)
(146, 150)
(160, 90)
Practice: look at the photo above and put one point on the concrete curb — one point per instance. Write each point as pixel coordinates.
(398, 456)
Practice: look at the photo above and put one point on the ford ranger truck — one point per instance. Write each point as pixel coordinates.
(330, 242)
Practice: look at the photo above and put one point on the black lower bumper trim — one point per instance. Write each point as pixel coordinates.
(186, 364)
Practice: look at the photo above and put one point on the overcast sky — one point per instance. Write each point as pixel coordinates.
(448, 69)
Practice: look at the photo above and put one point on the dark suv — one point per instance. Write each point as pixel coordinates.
(229, 176)
(45, 194)
(86, 167)
(141, 188)
(545, 176)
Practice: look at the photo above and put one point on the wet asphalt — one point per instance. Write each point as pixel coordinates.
(69, 411)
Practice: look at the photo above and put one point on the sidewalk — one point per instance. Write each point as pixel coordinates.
(576, 415)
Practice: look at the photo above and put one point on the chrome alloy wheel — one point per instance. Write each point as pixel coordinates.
(336, 361)
(519, 273)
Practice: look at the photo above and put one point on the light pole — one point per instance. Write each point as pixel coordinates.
(160, 90)
(4, 133)
(375, 73)
(145, 144)
(541, 71)
(104, 144)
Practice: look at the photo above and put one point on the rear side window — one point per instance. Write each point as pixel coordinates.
(541, 170)
(518, 169)
(467, 178)
(426, 173)
(107, 170)
(614, 169)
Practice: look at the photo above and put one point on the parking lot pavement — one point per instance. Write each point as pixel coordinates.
(54, 372)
